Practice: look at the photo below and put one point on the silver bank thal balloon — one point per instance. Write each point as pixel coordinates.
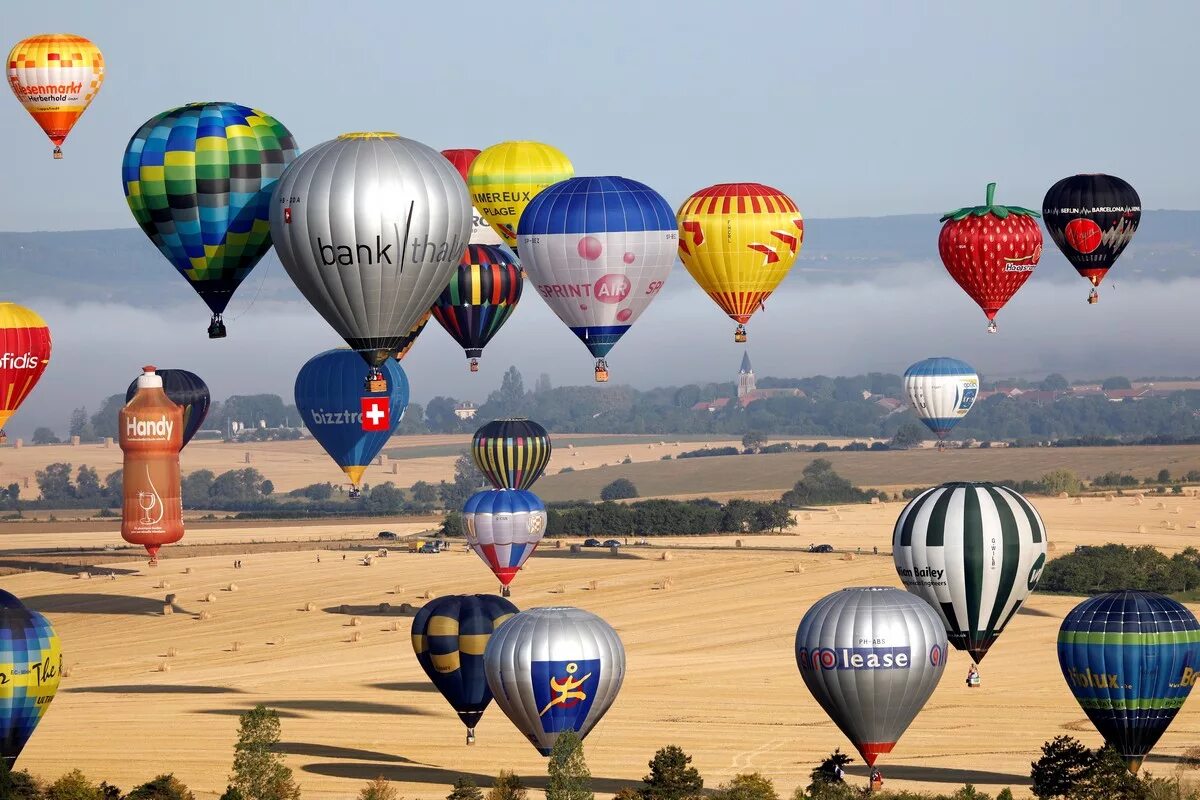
(370, 227)
(973, 552)
(449, 635)
(871, 656)
(553, 670)
(30, 668)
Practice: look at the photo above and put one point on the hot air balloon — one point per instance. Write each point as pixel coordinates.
(941, 390)
(449, 635)
(186, 390)
(871, 656)
(198, 180)
(973, 552)
(738, 240)
(503, 527)
(482, 295)
(25, 340)
(352, 428)
(370, 227)
(55, 76)
(30, 668)
(409, 339)
(1092, 218)
(511, 453)
(481, 231)
(990, 251)
(504, 178)
(1130, 658)
(598, 250)
(553, 670)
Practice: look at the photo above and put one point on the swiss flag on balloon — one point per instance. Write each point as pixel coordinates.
(375, 415)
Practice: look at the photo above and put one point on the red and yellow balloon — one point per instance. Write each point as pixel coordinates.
(24, 354)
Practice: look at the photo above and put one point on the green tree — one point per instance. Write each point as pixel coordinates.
(467, 481)
(314, 491)
(379, 789)
(104, 422)
(747, 786)
(1054, 383)
(754, 441)
(112, 485)
(163, 787)
(267, 487)
(620, 489)
(440, 416)
(910, 434)
(826, 781)
(18, 785)
(424, 493)
(1118, 382)
(822, 486)
(413, 421)
(1164, 476)
(671, 776)
(452, 525)
(258, 771)
(507, 786)
(1061, 480)
(465, 789)
(238, 485)
(87, 484)
(542, 385)
(569, 773)
(73, 786)
(196, 488)
(54, 482)
(385, 499)
(1065, 764)
(81, 425)
(1005, 794)
(44, 435)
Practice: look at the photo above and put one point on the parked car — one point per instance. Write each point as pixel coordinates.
(429, 547)
(611, 543)
(386, 535)
(591, 542)
(820, 548)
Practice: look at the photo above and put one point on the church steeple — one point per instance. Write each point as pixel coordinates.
(745, 383)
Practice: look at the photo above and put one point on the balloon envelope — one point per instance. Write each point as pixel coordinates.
(1130, 658)
(511, 453)
(506, 176)
(198, 180)
(1092, 219)
(481, 231)
(973, 552)
(598, 250)
(482, 295)
(186, 390)
(55, 76)
(449, 635)
(871, 657)
(503, 527)
(553, 670)
(738, 241)
(941, 391)
(25, 339)
(30, 669)
(351, 426)
(409, 339)
(370, 227)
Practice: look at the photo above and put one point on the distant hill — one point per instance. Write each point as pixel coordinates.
(122, 265)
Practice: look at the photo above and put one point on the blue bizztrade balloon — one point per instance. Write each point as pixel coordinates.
(941, 390)
(1130, 658)
(351, 426)
(503, 527)
(598, 250)
(449, 635)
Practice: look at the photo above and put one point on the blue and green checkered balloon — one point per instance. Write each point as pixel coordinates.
(30, 668)
(198, 180)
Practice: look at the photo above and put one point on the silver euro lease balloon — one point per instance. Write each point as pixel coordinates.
(871, 656)
(554, 669)
(370, 227)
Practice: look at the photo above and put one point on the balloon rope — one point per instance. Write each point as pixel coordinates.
(256, 292)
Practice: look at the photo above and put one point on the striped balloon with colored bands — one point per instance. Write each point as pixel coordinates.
(481, 297)
(511, 453)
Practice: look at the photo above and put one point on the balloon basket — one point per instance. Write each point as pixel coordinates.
(216, 328)
(1093, 298)
(58, 154)
(739, 335)
(154, 561)
(601, 375)
(992, 327)
(377, 385)
(474, 365)
(470, 737)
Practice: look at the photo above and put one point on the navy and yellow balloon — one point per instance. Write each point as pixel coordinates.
(30, 669)
(198, 180)
(409, 339)
(449, 635)
(481, 297)
(186, 390)
(1130, 658)
(352, 426)
(511, 453)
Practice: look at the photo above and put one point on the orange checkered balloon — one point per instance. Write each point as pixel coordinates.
(55, 76)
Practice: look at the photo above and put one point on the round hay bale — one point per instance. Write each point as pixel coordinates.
(355, 622)
(558, 543)
(187, 570)
(1159, 506)
(837, 517)
(806, 515)
(85, 575)
(1141, 529)
(163, 585)
(204, 616)
(848, 557)
(797, 567)
(398, 589)
(1078, 501)
(576, 548)
(1137, 501)
(168, 609)
(427, 595)
(1108, 498)
(1063, 495)
(1051, 546)
(593, 585)
(737, 542)
(385, 608)
(666, 556)
(407, 608)
(279, 640)
(560, 589)
(164, 666)
(233, 587)
(310, 606)
(210, 598)
(236, 647)
(67, 671)
(396, 625)
(874, 501)
(170, 598)
(356, 636)
(172, 652)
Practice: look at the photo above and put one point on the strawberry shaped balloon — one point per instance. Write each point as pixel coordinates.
(990, 251)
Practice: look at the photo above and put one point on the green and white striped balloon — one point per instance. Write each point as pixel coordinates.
(974, 552)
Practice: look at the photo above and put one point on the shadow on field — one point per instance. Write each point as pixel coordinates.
(586, 552)
(420, 773)
(404, 686)
(372, 611)
(152, 689)
(80, 603)
(1026, 611)
(1174, 761)
(333, 706)
(951, 775)
(331, 751)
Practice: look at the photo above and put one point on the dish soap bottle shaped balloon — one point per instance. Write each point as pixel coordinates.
(151, 436)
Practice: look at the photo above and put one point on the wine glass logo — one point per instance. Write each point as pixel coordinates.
(148, 501)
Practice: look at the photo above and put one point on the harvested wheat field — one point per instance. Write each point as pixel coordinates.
(710, 663)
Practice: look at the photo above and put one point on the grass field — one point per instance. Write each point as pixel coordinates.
(766, 475)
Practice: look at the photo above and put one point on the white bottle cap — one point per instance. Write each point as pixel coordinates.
(149, 379)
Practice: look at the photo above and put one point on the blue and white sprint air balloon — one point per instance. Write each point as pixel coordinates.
(598, 250)
(941, 390)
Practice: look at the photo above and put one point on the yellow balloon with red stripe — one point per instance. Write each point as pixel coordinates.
(506, 176)
(738, 240)
(24, 354)
(55, 76)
